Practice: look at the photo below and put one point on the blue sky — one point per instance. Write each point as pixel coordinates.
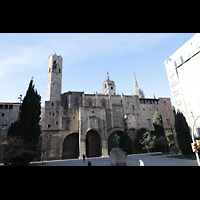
(86, 59)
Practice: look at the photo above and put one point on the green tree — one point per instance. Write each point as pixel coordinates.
(159, 133)
(183, 134)
(147, 140)
(27, 129)
(170, 138)
(138, 147)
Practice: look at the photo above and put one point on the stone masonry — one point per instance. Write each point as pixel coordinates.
(76, 123)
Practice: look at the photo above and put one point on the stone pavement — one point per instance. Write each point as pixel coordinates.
(132, 160)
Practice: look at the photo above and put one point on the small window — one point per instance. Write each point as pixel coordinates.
(3, 114)
(111, 88)
(54, 64)
(168, 122)
(10, 106)
(56, 122)
(4, 126)
(49, 125)
(52, 104)
(133, 107)
(1, 106)
(59, 71)
(149, 123)
(6, 107)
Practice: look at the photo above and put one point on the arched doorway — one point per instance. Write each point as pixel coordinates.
(71, 146)
(93, 144)
(110, 140)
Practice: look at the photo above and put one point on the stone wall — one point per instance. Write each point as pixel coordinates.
(103, 114)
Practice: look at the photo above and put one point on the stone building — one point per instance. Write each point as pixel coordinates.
(76, 123)
(9, 112)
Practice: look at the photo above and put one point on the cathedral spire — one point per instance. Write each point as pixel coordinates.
(137, 91)
(136, 88)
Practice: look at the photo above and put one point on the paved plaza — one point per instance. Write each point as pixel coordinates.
(132, 160)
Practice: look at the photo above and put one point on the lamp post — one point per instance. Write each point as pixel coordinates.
(196, 152)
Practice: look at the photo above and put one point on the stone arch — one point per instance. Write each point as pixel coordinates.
(93, 143)
(70, 147)
(110, 131)
(111, 137)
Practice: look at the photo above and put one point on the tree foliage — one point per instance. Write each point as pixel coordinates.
(125, 143)
(26, 130)
(161, 141)
(155, 140)
(183, 134)
(147, 140)
(138, 147)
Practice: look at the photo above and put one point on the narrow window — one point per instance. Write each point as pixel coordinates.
(149, 124)
(133, 107)
(49, 125)
(168, 122)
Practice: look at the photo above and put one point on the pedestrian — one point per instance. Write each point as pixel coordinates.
(83, 157)
(89, 163)
(141, 162)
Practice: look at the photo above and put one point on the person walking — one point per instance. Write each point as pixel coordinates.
(89, 163)
(83, 157)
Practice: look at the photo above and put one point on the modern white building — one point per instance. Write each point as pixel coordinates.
(183, 71)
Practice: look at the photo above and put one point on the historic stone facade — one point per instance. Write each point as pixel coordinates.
(76, 123)
(9, 112)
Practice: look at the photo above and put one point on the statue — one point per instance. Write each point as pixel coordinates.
(116, 141)
(117, 155)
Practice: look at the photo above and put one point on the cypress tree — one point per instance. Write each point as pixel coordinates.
(30, 116)
(29, 120)
(183, 134)
(26, 130)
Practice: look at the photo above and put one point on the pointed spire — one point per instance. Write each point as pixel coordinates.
(136, 88)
